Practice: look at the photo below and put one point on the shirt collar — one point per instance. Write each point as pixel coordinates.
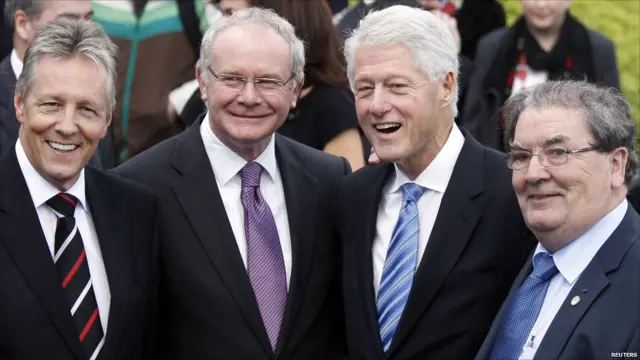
(226, 163)
(40, 189)
(16, 64)
(573, 258)
(437, 175)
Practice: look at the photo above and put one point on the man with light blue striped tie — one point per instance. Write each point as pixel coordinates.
(400, 264)
(432, 236)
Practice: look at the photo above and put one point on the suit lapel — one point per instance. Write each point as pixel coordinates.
(206, 213)
(301, 200)
(108, 219)
(595, 279)
(23, 237)
(8, 84)
(368, 199)
(455, 222)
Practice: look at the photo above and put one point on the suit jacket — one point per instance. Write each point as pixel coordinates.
(207, 306)
(476, 248)
(607, 318)
(34, 313)
(481, 107)
(104, 155)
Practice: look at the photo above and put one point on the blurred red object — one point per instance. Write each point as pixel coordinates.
(450, 9)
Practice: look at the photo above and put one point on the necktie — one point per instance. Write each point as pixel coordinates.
(523, 310)
(71, 262)
(399, 265)
(265, 262)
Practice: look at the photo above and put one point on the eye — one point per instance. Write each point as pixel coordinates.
(556, 152)
(268, 83)
(232, 80)
(519, 156)
(87, 109)
(363, 90)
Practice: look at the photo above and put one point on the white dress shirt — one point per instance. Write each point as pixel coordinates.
(226, 166)
(16, 64)
(41, 191)
(435, 178)
(571, 260)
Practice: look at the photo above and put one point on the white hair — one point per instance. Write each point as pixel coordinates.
(255, 16)
(425, 35)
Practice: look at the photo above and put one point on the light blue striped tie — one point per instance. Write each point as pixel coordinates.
(400, 265)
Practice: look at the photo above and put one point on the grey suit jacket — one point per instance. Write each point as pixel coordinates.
(481, 108)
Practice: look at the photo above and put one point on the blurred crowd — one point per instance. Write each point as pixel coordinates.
(232, 127)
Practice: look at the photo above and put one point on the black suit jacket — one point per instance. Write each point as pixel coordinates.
(207, 306)
(34, 313)
(478, 244)
(607, 318)
(9, 125)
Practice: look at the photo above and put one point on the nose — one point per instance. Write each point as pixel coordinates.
(536, 172)
(66, 124)
(249, 95)
(379, 105)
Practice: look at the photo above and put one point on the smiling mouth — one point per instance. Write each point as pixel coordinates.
(62, 147)
(541, 197)
(387, 128)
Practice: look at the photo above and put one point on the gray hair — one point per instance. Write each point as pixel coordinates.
(606, 111)
(424, 34)
(66, 37)
(33, 9)
(255, 16)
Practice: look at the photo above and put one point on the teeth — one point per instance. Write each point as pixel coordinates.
(62, 147)
(387, 126)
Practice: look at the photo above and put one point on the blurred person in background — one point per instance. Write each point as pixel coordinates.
(158, 49)
(25, 17)
(324, 117)
(546, 43)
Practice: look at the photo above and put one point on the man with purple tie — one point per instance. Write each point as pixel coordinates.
(250, 261)
(77, 245)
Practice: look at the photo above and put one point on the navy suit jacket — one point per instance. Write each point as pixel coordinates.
(607, 318)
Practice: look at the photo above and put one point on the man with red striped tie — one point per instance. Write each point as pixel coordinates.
(76, 244)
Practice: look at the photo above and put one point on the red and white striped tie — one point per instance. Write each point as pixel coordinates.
(71, 261)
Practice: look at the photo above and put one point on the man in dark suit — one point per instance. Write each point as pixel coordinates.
(77, 245)
(577, 297)
(250, 260)
(432, 237)
(24, 18)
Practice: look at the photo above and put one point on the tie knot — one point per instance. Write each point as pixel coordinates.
(543, 266)
(412, 192)
(250, 174)
(63, 203)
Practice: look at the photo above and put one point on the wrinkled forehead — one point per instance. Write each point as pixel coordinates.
(251, 48)
(545, 127)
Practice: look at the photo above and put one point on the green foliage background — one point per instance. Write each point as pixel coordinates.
(619, 20)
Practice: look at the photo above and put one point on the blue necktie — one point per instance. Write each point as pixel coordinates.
(399, 265)
(523, 310)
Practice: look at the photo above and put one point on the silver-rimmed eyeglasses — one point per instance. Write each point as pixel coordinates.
(554, 156)
(265, 86)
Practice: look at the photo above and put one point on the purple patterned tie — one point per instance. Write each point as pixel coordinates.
(265, 262)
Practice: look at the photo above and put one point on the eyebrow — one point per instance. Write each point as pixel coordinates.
(554, 140)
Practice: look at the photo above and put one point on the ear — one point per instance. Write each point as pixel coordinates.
(296, 95)
(202, 85)
(449, 88)
(619, 159)
(106, 125)
(24, 28)
(18, 103)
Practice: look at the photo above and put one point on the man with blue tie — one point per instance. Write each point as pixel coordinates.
(432, 237)
(572, 148)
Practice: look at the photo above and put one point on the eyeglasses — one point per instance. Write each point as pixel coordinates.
(555, 156)
(265, 86)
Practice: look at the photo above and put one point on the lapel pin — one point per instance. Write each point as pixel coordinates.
(575, 301)
(584, 291)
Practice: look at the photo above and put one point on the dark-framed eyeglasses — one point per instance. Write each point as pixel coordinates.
(553, 156)
(265, 86)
